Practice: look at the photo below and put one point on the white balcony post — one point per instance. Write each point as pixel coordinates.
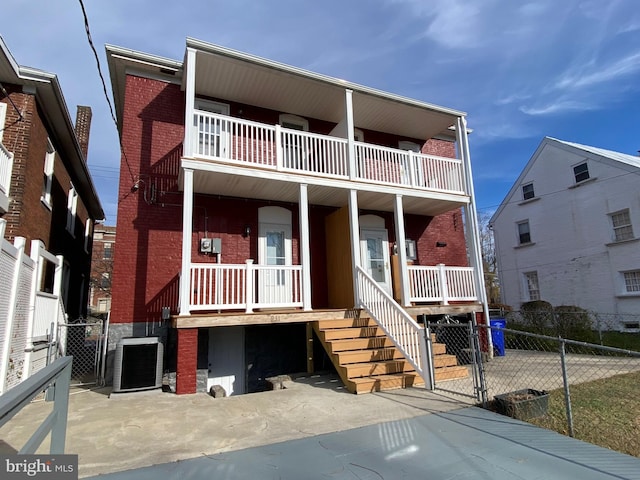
(350, 138)
(249, 282)
(444, 286)
(355, 242)
(412, 168)
(305, 248)
(19, 244)
(187, 233)
(36, 281)
(471, 218)
(402, 252)
(279, 150)
(190, 97)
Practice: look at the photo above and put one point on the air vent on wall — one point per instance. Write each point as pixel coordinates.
(138, 364)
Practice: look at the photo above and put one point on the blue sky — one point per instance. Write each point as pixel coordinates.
(522, 70)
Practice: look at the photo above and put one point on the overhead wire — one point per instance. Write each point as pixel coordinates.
(104, 86)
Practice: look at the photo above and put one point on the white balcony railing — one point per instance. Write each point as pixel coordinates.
(216, 286)
(224, 138)
(441, 284)
(6, 166)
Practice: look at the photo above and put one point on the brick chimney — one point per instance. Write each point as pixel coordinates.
(83, 127)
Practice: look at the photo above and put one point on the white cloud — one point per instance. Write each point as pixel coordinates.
(594, 73)
(558, 107)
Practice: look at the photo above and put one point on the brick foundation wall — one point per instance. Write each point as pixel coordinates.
(187, 361)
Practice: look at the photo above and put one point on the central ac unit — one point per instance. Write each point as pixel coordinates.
(138, 364)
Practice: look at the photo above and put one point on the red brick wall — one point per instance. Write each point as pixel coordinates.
(187, 361)
(148, 257)
(28, 216)
(27, 140)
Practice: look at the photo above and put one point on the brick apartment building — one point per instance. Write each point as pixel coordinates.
(46, 191)
(263, 202)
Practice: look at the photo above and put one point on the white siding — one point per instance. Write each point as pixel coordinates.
(571, 233)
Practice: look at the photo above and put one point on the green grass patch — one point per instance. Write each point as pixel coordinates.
(627, 341)
(606, 412)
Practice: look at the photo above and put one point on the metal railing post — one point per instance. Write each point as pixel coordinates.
(428, 368)
(61, 407)
(479, 381)
(565, 382)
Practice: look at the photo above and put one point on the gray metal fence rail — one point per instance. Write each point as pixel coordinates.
(54, 378)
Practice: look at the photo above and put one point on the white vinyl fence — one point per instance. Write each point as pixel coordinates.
(28, 315)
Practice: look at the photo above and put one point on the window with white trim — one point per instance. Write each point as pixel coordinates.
(49, 161)
(524, 232)
(72, 208)
(107, 252)
(632, 281)
(3, 116)
(581, 172)
(105, 281)
(294, 122)
(527, 191)
(621, 223)
(531, 286)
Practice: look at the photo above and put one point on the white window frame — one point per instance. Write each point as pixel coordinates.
(107, 246)
(531, 285)
(575, 175)
(631, 282)
(523, 222)
(288, 120)
(72, 210)
(3, 116)
(532, 192)
(49, 163)
(621, 225)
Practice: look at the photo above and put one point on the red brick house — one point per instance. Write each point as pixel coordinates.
(46, 191)
(272, 210)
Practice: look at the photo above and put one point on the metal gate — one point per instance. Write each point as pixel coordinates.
(86, 342)
(456, 347)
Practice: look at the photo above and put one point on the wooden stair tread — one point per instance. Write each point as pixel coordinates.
(370, 354)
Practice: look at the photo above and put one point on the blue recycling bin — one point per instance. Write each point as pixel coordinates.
(497, 335)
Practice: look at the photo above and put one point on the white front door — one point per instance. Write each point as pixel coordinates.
(274, 250)
(374, 251)
(226, 359)
(213, 133)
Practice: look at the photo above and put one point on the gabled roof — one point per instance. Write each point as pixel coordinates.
(592, 153)
(50, 98)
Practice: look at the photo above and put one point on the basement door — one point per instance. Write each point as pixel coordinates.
(374, 252)
(226, 359)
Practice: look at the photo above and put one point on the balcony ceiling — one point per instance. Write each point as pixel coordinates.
(263, 185)
(227, 74)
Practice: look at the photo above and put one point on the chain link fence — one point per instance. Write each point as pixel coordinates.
(84, 340)
(578, 388)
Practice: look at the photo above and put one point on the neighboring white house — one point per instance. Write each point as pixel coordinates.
(568, 230)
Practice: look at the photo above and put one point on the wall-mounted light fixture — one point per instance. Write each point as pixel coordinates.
(247, 231)
(441, 244)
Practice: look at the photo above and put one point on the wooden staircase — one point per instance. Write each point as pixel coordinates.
(367, 361)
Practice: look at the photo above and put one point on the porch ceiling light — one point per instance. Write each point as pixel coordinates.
(247, 231)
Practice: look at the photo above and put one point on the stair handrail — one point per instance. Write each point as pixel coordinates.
(405, 333)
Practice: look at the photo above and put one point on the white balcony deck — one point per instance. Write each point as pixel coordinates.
(221, 138)
(246, 286)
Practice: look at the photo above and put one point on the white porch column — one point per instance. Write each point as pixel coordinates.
(471, 217)
(305, 248)
(350, 138)
(190, 97)
(402, 252)
(187, 233)
(354, 230)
